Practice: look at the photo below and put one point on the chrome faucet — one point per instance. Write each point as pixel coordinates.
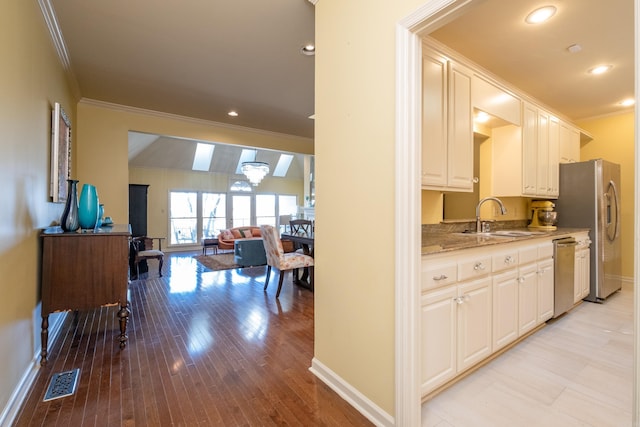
(503, 210)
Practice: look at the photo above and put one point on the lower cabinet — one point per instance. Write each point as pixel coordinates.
(456, 330)
(495, 296)
(582, 275)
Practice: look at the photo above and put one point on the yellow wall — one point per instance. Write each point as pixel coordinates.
(31, 81)
(102, 155)
(162, 181)
(613, 140)
(355, 150)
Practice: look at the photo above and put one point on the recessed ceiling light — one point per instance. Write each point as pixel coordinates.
(600, 69)
(540, 15)
(627, 102)
(308, 49)
(233, 113)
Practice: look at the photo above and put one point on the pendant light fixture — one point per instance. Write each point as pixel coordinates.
(255, 171)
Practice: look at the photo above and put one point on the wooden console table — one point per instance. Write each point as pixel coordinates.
(81, 271)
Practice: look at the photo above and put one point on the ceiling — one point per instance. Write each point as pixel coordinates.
(535, 58)
(202, 58)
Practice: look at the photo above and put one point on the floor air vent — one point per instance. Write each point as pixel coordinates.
(62, 384)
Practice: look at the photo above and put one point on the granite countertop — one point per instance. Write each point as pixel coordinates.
(437, 241)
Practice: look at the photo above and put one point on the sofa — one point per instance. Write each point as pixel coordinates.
(226, 238)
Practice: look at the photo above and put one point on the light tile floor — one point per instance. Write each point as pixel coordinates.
(576, 371)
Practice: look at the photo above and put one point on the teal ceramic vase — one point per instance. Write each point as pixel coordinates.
(88, 207)
(69, 219)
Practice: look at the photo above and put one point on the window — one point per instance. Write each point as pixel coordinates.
(196, 215)
(183, 217)
(266, 209)
(214, 214)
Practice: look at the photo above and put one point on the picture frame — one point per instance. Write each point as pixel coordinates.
(60, 154)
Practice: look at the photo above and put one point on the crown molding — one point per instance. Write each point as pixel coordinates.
(57, 39)
(203, 122)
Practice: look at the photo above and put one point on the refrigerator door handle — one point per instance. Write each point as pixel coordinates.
(616, 204)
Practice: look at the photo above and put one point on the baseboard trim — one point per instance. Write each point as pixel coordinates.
(365, 406)
(20, 393)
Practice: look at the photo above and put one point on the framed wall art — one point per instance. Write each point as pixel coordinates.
(60, 154)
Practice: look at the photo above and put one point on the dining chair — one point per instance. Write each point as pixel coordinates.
(143, 250)
(301, 226)
(283, 262)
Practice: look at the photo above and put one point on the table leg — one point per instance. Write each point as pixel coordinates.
(123, 314)
(44, 339)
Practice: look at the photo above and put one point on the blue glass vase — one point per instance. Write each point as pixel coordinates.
(88, 207)
(100, 215)
(69, 219)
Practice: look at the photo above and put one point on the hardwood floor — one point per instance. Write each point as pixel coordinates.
(205, 348)
(577, 371)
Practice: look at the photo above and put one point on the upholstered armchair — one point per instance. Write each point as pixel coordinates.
(277, 258)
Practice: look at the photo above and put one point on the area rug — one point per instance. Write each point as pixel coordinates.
(218, 261)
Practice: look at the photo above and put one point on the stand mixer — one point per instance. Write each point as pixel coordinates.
(543, 217)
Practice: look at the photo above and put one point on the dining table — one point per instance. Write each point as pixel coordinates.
(305, 241)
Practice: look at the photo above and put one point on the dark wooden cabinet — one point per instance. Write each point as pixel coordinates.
(81, 271)
(138, 209)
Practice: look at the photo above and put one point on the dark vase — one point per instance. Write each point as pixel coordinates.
(69, 219)
(88, 207)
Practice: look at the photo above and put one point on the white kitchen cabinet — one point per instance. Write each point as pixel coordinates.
(569, 143)
(582, 275)
(474, 322)
(439, 337)
(527, 298)
(525, 159)
(447, 124)
(505, 308)
(477, 301)
(545, 290)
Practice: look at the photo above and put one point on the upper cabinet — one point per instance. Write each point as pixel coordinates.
(525, 159)
(447, 124)
(528, 141)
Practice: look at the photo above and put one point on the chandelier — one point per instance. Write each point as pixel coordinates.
(255, 171)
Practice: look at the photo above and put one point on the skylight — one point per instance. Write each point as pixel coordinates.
(283, 165)
(203, 156)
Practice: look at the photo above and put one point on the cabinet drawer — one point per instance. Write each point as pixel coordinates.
(474, 267)
(504, 260)
(528, 254)
(545, 250)
(436, 275)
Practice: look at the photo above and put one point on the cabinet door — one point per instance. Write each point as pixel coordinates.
(581, 275)
(554, 157)
(505, 308)
(529, 149)
(569, 143)
(439, 325)
(460, 129)
(542, 161)
(474, 322)
(434, 119)
(545, 290)
(527, 298)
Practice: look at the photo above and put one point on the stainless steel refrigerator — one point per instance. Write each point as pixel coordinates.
(590, 198)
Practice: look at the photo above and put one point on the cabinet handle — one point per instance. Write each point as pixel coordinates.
(479, 266)
(441, 277)
(509, 259)
(462, 299)
(521, 279)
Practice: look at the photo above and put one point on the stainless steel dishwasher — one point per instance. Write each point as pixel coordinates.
(564, 256)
